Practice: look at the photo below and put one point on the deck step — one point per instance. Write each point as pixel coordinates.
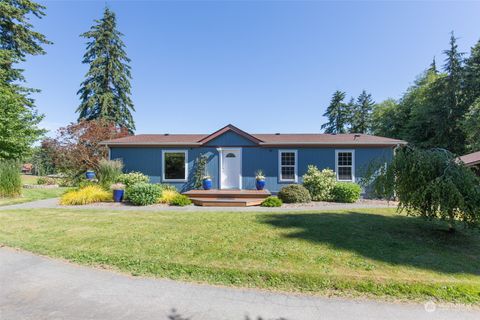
(226, 202)
(260, 194)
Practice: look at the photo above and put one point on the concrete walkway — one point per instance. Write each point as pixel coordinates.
(53, 204)
(33, 287)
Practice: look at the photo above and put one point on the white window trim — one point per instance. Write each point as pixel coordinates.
(280, 165)
(220, 164)
(352, 151)
(186, 165)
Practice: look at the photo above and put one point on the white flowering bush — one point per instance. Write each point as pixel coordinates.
(319, 183)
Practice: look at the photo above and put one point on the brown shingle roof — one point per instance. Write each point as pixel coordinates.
(267, 139)
(471, 158)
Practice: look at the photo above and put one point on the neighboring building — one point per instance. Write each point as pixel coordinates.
(234, 156)
(472, 160)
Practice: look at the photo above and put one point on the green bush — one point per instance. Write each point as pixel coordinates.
(129, 179)
(165, 186)
(347, 192)
(108, 172)
(10, 180)
(180, 200)
(272, 202)
(46, 181)
(143, 194)
(294, 193)
(319, 183)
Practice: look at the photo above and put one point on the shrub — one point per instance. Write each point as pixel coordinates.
(86, 195)
(108, 172)
(347, 192)
(272, 202)
(129, 179)
(46, 181)
(294, 193)
(319, 183)
(167, 196)
(167, 187)
(10, 180)
(180, 200)
(143, 194)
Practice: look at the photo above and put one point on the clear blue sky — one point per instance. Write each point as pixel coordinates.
(263, 66)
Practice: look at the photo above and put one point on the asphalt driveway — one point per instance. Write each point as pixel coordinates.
(34, 287)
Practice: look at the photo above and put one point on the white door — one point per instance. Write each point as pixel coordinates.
(231, 169)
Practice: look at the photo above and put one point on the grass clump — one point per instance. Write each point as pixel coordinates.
(86, 195)
(180, 200)
(108, 172)
(272, 202)
(10, 179)
(167, 196)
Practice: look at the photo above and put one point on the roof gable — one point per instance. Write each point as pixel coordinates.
(230, 135)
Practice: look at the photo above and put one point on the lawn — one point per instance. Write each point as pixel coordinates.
(373, 253)
(32, 194)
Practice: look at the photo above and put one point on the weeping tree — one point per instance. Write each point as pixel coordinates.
(105, 93)
(429, 183)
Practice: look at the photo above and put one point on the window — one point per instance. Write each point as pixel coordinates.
(174, 165)
(345, 165)
(287, 165)
(230, 155)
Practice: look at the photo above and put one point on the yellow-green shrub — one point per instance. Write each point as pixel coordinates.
(86, 195)
(167, 196)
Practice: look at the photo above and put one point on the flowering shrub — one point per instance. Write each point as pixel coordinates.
(319, 183)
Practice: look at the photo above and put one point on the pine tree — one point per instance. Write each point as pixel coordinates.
(337, 114)
(16, 33)
(105, 93)
(454, 108)
(433, 67)
(472, 74)
(361, 115)
(19, 120)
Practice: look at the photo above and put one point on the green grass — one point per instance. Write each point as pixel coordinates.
(33, 195)
(374, 253)
(29, 179)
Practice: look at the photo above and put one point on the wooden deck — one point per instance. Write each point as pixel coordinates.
(227, 198)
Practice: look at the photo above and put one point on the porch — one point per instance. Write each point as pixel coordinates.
(227, 197)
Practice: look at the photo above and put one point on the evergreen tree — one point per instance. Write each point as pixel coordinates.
(472, 75)
(361, 115)
(19, 120)
(433, 67)
(105, 93)
(454, 107)
(337, 114)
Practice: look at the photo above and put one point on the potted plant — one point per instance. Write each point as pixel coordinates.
(207, 182)
(118, 191)
(259, 180)
(90, 174)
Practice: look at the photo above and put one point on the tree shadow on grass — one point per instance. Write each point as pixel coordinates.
(397, 240)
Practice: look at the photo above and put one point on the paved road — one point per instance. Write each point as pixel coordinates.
(53, 204)
(33, 287)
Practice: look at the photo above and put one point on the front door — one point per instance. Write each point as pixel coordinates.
(231, 169)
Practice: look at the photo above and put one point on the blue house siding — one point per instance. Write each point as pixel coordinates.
(148, 160)
(230, 139)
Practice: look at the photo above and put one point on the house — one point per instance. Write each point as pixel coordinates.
(234, 155)
(472, 160)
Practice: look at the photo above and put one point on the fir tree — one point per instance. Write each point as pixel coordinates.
(433, 67)
(336, 113)
(105, 93)
(361, 115)
(19, 120)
